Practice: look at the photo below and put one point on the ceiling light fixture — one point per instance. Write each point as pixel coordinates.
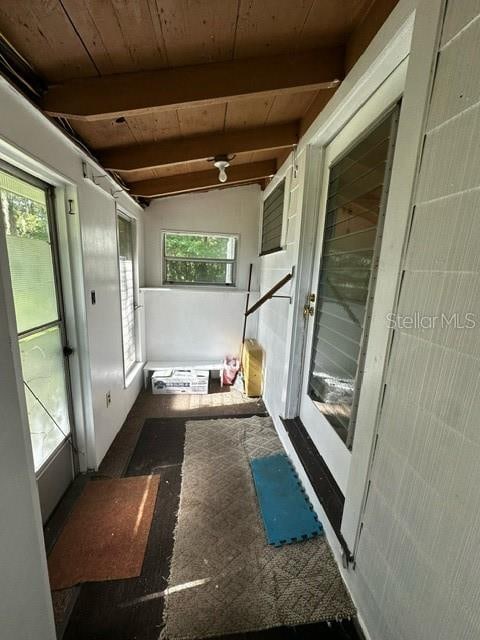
(221, 162)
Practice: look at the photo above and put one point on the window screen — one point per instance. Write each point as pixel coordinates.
(127, 291)
(273, 220)
(199, 258)
(32, 252)
(354, 215)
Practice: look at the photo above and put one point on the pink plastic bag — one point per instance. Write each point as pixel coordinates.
(231, 365)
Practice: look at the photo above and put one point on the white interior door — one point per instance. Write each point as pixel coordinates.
(352, 205)
(29, 225)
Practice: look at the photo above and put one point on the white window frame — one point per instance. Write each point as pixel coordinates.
(233, 261)
(127, 373)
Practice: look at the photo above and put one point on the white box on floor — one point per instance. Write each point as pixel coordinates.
(189, 381)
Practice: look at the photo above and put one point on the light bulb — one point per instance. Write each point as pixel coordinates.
(221, 163)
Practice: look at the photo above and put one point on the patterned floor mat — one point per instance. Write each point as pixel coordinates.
(224, 577)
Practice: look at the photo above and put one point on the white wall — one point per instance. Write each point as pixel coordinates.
(99, 239)
(200, 323)
(275, 315)
(89, 256)
(417, 560)
(30, 140)
(417, 571)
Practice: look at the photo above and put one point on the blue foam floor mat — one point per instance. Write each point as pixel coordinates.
(286, 511)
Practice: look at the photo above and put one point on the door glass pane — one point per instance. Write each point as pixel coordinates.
(356, 191)
(125, 252)
(25, 217)
(45, 390)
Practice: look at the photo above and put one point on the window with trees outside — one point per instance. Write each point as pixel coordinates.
(193, 258)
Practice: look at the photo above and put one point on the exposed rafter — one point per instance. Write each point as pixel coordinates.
(204, 84)
(166, 152)
(16, 69)
(185, 182)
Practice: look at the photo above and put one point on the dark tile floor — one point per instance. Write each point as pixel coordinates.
(220, 401)
(118, 610)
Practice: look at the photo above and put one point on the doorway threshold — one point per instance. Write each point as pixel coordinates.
(323, 483)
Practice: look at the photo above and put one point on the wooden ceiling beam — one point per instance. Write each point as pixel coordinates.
(127, 94)
(167, 152)
(201, 180)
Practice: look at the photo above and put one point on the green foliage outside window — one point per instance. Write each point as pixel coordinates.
(24, 208)
(199, 259)
(195, 246)
(24, 218)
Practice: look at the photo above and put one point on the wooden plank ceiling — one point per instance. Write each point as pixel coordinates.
(156, 87)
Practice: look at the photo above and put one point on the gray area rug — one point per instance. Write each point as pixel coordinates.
(224, 578)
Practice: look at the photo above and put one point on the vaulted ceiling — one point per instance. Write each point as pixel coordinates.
(156, 87)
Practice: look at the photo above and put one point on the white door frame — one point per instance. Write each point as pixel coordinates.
(71, 269)
(387, 51)
(56, 474)
(335, 452)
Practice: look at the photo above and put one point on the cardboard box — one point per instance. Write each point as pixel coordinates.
(189, 381)
(252, 365)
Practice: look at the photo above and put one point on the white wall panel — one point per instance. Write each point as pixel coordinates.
(454, 91)
(205, 323)
(274, 316)
(191, 324)
(459, 15)
(451, 157)
(446, 247)
(100, 258)
(418, 548)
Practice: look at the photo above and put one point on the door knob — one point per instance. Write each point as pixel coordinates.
(308, 309)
